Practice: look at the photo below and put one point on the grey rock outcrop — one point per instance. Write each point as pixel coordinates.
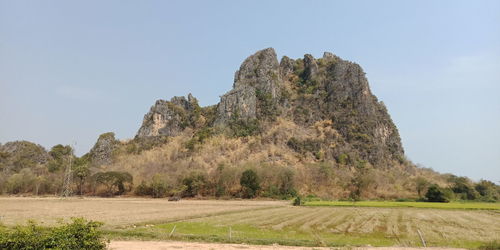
(102, 152)
(338, 90)
(305, 90)
(286, 66)
(310, 67)
(22, 154)
(259, 75)
(168, 118)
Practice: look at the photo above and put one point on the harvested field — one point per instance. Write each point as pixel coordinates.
(117, 212)
(264, 222)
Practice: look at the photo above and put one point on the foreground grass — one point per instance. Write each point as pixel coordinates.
(451, 205)
(330, 226)
(241, 233)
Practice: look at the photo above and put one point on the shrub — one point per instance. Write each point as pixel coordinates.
(115, 182)
(436, 194)
(159, 186)
(342, 159)
(21, 182)
(297, 201)
(243, 128)
(194, 184)
(143, 189)
(250, 183)
(463, 188)
(79, 234)
(420, 185)
(487, 190)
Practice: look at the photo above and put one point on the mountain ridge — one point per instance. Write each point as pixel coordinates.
(306, 126)
(264, 89)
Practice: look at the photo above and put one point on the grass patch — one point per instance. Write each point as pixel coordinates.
(406, 204)
(248, 234)
(242, 233)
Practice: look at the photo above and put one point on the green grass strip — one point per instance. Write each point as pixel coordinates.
(406, 204)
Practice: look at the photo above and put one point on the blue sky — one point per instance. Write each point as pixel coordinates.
(71, 70)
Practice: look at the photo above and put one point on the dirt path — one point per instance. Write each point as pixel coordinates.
(161, 245)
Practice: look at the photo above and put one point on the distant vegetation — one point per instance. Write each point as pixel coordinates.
(305, 127)
(325, 179)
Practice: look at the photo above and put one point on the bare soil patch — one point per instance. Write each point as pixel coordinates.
(161, 245)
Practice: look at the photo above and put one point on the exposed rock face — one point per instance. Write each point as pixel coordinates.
(305, 91)
(259, 75)
(338, 90)
(22, 154)
(168, 118)
(102, 152)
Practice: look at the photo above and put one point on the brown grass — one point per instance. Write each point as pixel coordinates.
(268, 153)
(117, 212)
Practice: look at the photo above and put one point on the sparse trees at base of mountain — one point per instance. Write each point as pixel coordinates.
(250, 184)
(114, 182)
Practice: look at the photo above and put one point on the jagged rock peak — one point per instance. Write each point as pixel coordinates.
(258, 70)
(102, 152)
(260, 75)
(31, 152)
(168, 118)
(305, 91)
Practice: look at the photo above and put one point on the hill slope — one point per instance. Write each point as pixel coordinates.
(308, 126)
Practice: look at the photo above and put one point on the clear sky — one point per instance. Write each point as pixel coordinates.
(71, 70)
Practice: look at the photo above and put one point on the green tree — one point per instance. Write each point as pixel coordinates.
(287, 185)
(421, 184)
(361, 181)
(436, 194)
(250, 183)
(115, 182)
(463, 187)
(159, 186)
(194, 184)
(143, 189)
(81, 172)
(21, 182)
(60, 157)
(487, 190)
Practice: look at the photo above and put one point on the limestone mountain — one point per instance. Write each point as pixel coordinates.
(304, 91)
(304, 126)
(20, 154)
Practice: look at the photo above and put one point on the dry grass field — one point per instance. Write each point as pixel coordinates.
(117, 212)
(264, 222)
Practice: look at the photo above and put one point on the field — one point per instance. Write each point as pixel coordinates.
(436, 205)
(265, 222)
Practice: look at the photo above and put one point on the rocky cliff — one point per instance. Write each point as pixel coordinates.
(169, 118)
(306, 91)
(22, 154)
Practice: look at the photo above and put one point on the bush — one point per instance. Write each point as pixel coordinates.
(297, 201)
(79, 234)
(463, 188)
(194, 184)
(159, 186)
(115, 182)
(436, 194)
(250, 183)
(143, 189)
(487, 190)
(244, 128)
